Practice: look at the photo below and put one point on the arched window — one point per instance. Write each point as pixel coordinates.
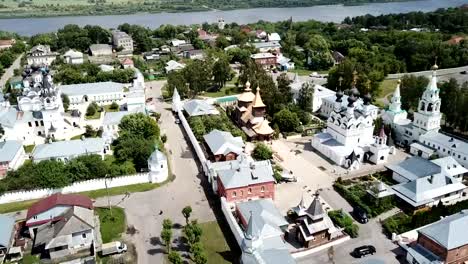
(423, 106)
(249, 191)
(262, 189)
(429, 107)
(234, 194)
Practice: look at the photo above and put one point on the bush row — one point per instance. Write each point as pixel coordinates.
(343, 220)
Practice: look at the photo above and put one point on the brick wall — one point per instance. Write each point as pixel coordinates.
(454, 256)
(263, 190)
(432, 246)
(457, 255)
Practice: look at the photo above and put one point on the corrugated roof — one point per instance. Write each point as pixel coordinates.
(69, 148)
(222, 142)
(92, 88)
(9, 149)
(59, 199)
(450, 232)
(7, 224)
(244, 172)
(414, 168)
(199, 107)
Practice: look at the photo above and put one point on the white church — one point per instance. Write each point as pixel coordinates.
(422, 134)
(348, 140)
(39, 113)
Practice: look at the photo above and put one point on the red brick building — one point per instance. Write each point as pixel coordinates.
(446, 240)
(244, 179)
(267, 60)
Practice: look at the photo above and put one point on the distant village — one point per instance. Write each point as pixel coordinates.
(283, 195)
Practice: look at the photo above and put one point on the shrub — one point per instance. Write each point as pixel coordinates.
(262, 152)
(343, 220)
(114, 106)
(92, 109)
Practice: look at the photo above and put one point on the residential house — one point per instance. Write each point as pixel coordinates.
(157, 166)
(285, 64)
(263, 229)
(181, 49)
(197, 107)
(12, 156)
(260, 34)
(127, 63)
(274, 37)
(67, 150)
(222, 146)
(177, 42)
(52, 208)
(6, 43)
(266, 60)
(243, 179)
(194, 54)
(7, 234)
(103, 93)
(73, 57)
(427, 182)
(313, 225)
(173, 65)
(271, 46)
(101, 54)
(16, 83)
(123, 40)
(70, 237)
(338, 58)
(249, 115)
(444, 241)
(41, 55)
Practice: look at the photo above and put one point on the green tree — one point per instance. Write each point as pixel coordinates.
(176, 80)
(306, 97)
(284, 88)
(139, 125)
(319, 54)
(65, 101)
(114, 106)
(262, 152)
(166, 236)
(193, 232)
(198, 75)
(287, 121)
(175, 258)
(6, 58)
(186, 211)
(135, 149)
(167, 223)
(222, 42)
(221, 72)
(200, 257)
(412, 88)
(92, 109)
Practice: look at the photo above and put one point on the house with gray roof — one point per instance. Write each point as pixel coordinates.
(11, 156)
(263, 227)
(41, 55)
(7, 232)
(198, 107)
(103, 93)
(426, 182)
(242, 179)
(71, 237)
(445, 241)
(67, 150)
(223, 146)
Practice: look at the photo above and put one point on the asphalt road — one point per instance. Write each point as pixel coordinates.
(142, 209)
(9, 72)
(369, 234)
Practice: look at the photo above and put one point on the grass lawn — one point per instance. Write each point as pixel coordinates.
(216, 247)
(304, 72)
(387, 87)
(225, 91)
(107, 108)
(29, 148)
(76, 137)
(111, 226)
(30, 259)
(97, 115)
(16, 206)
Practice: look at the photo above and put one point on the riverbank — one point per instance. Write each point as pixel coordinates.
(11, 9)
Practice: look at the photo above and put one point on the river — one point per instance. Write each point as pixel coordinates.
(326, 13)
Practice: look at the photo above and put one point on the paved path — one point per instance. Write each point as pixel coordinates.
(142, 209)
(440, 72)
(10, 71)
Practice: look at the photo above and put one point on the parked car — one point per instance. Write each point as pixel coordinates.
(364, 251)
(116, 247)
(177, 121)
(463, 72)
(149, 99)
(360, 215)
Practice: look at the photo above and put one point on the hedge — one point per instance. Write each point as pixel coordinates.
(343, 220)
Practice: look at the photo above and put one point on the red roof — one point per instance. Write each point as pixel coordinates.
(59, 199)
(127, 61)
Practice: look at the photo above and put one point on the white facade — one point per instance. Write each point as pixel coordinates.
(122, 39)
(157, 166)
(73, 57)
(348, 140)
(422, 133)
(41, 55)
(103, 93)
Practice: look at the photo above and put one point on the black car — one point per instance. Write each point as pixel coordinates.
(360, 215)
(463, 72)
(364, 251)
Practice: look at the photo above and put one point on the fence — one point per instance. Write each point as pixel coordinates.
(194, 141)
(235, 228)
(76, 187)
